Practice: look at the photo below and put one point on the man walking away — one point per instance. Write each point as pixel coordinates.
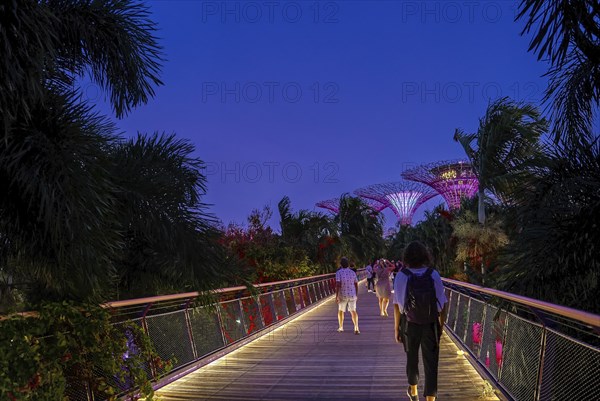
(420, 301)
(346, 291)
(370, 277)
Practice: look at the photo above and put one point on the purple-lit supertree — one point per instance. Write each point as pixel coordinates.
(333, 205)
(403, 197)
(374, 204)
(453, 180)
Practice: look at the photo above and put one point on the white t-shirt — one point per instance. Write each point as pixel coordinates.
(400, 287)
(346, 278)
(369, 271)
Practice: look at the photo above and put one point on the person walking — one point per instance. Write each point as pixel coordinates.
(353, 268)
(420, 308)
(346, 291)
(370, 277)
(383, 288)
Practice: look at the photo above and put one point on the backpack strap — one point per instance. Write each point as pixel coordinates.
(408, 275)
(429, 273)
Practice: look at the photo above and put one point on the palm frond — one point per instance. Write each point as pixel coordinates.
(575, 92)
(112, 40)
(166, 227)
(57, 206)
(560, 24)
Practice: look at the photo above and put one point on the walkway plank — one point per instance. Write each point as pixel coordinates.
(307, 359)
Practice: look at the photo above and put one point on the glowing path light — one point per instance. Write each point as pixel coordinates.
(453, 180)
(403, 197)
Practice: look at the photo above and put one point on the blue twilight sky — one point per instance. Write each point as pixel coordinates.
(311, 99)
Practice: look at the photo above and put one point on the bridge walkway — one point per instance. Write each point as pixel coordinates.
(307, 359)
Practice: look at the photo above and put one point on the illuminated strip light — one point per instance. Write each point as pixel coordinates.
(404, 205)
(403, 197)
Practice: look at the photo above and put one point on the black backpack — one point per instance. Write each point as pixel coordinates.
(420, 303)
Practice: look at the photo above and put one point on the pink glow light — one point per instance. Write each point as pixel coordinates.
(453, 180)
(477, 333)
(498, 352)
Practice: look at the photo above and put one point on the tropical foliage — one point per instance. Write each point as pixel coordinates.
(567, 34)
(541, 241)
(554, 253)
(309, 243)
(51, 355)
(169, 242)
(262, 254)
(502, 148)
(84, 213)
(435, 231)
(360, 230)
(478, 245)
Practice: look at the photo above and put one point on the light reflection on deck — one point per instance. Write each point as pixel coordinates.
(306, 359)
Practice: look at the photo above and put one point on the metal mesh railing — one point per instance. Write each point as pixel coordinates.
(531, 350)
(185, 331)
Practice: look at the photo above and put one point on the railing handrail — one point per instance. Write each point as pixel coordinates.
(571, 313)
(195, 294)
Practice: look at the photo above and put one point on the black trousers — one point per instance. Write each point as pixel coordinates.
(371, 283)
(424, 336)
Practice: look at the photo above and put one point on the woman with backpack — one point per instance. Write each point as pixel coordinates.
(420, 308)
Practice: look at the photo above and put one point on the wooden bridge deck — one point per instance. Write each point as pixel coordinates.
(307, 359)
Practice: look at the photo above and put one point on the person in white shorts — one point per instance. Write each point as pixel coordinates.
(346, 290)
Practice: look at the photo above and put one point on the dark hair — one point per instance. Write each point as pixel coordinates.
(344, 262)
(416, 255)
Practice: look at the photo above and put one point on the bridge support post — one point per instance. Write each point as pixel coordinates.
(188, 324)
(543, 352)
(221, 326)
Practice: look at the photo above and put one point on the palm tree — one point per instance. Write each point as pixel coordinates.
(567, 33)
(554, 253)
(312, 232)
(168, 237)
(477, 244)
(80, 210)
(435, 231)
(505, 142)
(360, 229)
(57, 207)
(47, 45)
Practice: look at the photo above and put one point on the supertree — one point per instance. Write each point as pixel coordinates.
(374, 204)
(333, 205)
(403, 197)
(453, 179)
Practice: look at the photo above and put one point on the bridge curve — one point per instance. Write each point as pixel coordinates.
(278, 341)
(306, 358)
